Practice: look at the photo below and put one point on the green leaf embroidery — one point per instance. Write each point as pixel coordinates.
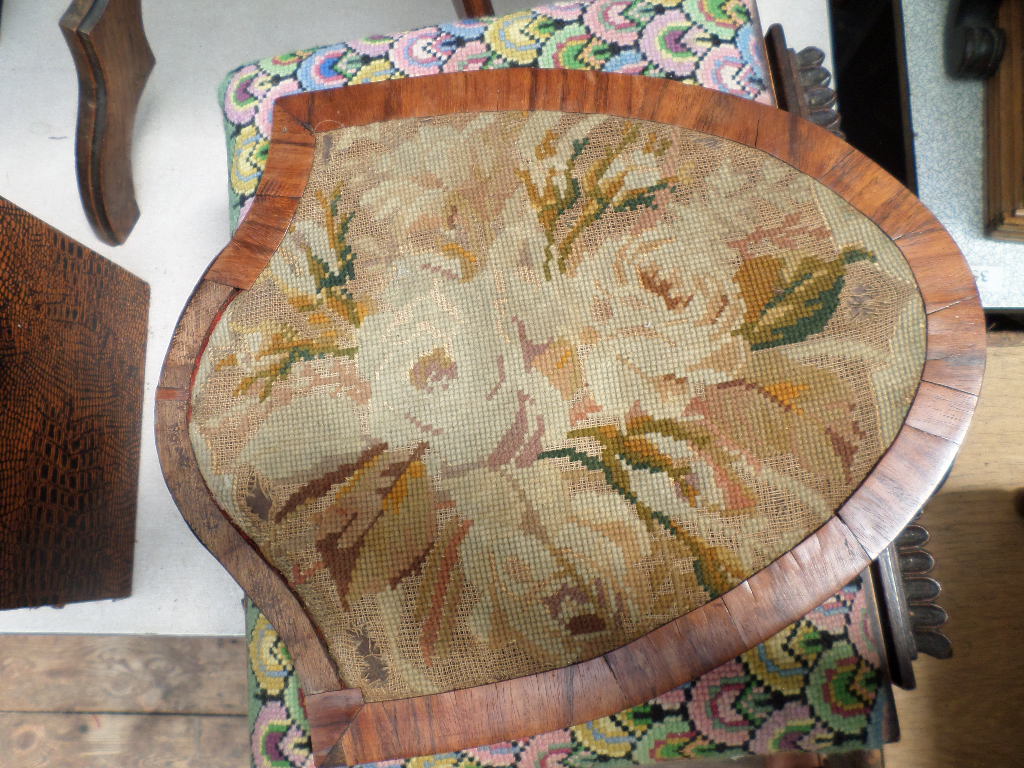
(628, 449)
(574, 199)
(285, 349)
(332, 282)
(803, 301)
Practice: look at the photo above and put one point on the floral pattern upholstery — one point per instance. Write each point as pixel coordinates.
(713, 43)
(817, 686)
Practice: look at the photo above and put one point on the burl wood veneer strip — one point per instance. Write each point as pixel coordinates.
(198, 507)
(680, 650)
(281, 186)
(955, 356)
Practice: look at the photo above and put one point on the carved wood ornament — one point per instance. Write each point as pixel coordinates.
(347, 730)
(974, 41)
(801, 82)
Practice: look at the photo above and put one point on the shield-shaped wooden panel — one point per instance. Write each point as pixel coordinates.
(522, 397)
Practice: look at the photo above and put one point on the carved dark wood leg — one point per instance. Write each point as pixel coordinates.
(113, 61)
(906, 596)
(974, 41)
(907, 606)
(801, 82)
(893, 613)
(471, 9)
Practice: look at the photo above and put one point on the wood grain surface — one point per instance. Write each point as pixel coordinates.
(124, 674)
(72, 357)
(49, 740)
(710, 635)
(113, 61)
(472, 9)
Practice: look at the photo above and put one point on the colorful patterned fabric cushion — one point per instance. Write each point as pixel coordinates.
(817, 686)
(714, 43)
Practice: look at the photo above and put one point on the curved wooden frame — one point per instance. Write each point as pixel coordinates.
(347, 730)
(113, 61)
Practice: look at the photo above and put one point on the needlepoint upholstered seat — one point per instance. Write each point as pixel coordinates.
(522, 397)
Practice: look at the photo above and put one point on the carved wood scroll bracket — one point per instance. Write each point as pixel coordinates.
(113, 61)
(801, 82)
(908, 608)
(974, 41)
(926, 617)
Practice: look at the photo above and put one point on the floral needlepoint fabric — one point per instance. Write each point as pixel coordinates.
(714, 43)
(519, 388)
(817, 686)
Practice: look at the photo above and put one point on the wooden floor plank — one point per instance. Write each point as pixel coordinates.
(40, 740)
(122, 673)
(968, 710)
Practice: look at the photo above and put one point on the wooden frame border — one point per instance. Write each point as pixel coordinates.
(1004, 133)
(348, 731)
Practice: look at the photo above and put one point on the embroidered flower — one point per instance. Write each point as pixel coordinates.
(448, 370)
